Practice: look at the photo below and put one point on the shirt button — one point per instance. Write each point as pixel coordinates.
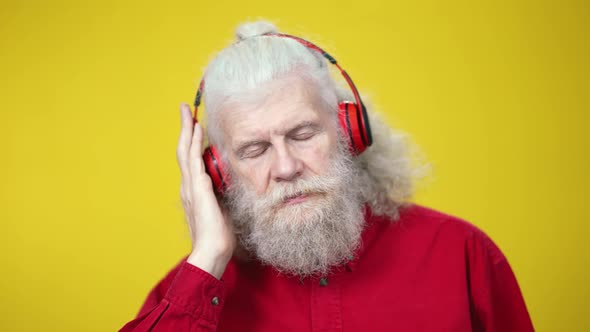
(215, 300)
(323, 282)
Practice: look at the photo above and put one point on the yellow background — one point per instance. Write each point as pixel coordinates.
(494, 93)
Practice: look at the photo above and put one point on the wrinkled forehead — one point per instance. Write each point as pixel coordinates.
(272, 109)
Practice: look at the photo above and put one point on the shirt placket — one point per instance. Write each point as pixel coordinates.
(326, 304)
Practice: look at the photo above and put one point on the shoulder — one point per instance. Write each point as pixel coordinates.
(421, 217)
(418, 218)
(415, 215)
(420, 226)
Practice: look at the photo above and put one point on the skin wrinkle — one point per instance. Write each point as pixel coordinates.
(280, 113)
(304, 129)
(219, 102)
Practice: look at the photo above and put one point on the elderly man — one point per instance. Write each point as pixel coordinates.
(299, 213)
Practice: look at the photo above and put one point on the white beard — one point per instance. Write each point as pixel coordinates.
(307, 238)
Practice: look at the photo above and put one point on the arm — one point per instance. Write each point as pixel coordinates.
(496, 300)
(190, 298)
(182, 301)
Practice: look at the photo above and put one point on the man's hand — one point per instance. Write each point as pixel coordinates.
(213, 240)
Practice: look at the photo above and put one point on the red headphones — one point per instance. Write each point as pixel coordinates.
(352, 117)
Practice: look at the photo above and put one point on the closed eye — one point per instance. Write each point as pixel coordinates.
(252, 151)
(303, 136)
(304, 131)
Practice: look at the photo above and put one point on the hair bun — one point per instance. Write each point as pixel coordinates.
(252, 29)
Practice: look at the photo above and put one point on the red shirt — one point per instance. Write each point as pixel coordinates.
(427, 271)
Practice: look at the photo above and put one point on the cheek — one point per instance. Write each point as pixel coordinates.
(254, 175)
(317, 156)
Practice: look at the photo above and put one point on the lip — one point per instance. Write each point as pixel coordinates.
(296, 199)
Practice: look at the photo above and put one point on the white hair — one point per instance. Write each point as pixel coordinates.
(239, 72)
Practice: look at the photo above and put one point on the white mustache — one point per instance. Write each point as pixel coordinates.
(313, 186)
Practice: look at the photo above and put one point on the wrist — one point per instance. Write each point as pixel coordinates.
(213, 264)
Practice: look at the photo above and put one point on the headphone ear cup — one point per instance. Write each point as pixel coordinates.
(215, 169)
(355, 124)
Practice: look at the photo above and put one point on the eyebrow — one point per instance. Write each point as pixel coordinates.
(239, 150)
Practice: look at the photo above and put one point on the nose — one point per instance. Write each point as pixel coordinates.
(286, 166)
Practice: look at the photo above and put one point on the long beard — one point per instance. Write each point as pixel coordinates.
(307, 238)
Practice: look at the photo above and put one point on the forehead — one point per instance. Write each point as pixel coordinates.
(279, 107)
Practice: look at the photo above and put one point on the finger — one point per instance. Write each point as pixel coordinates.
(201, 185)
(184, 140)
(185, 196)
(187, 205)
(195, 158)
